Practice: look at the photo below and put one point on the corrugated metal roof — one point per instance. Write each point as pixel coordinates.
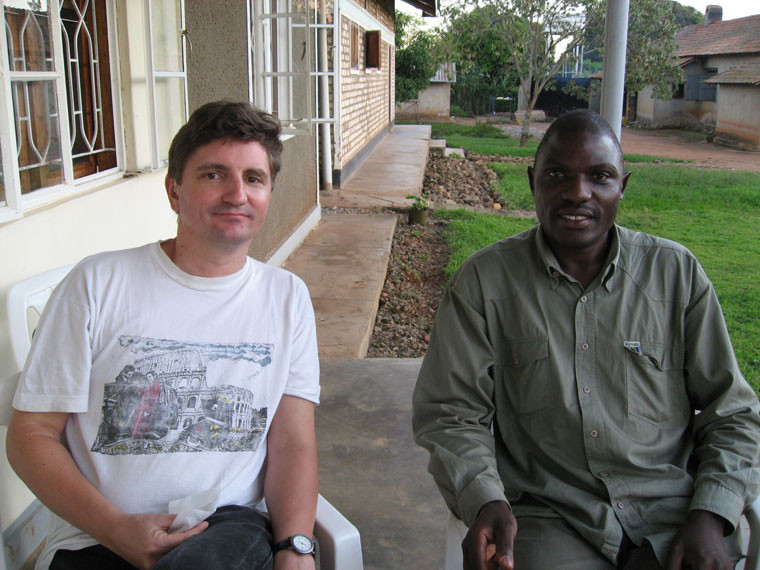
(447, 73)
(749, 74)
(741, 35)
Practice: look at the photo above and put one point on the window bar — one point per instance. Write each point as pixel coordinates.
(151, 83)
(11, 180)
(60, 84)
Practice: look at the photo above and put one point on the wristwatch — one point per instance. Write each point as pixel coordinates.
(301, 543)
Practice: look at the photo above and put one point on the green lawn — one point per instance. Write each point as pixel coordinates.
(716, 214)
(488, 139)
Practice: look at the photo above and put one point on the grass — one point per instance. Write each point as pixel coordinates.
(716, 214)
(483, 138)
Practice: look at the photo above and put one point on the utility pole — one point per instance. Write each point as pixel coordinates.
(613, 80)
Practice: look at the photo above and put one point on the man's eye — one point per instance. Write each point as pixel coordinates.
(554, 173)
(211, 175)
(254, 180)
(601, 176)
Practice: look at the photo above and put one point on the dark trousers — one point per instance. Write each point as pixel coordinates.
(236, 538)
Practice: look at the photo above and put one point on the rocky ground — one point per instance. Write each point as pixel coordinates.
(415, 280)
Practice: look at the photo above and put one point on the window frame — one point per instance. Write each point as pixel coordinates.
(156, 160)
(17, 202)
(272, 88)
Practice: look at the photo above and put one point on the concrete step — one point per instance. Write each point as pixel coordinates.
(343, 262)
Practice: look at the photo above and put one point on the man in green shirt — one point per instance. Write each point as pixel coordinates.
(558, 395)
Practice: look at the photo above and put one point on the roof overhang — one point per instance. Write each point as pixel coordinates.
(429, 7)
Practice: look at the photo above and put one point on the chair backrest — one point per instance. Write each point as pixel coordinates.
(7, 390)
(26, 301)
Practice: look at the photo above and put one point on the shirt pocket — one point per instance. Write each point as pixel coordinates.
(655, 382)
(524, 375)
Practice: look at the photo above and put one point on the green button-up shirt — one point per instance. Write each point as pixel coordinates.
(580, 403)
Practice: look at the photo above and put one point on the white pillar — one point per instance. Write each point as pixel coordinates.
(613, 82)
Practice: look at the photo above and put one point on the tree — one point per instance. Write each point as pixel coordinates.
(416, 58)
(539, 36)
(650, 55)
(686, 15)
(483, 71)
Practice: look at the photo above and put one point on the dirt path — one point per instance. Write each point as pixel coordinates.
(686, 145)
(667, 143)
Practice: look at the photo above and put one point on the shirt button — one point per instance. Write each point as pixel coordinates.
(603, 474)
(620, 505)
(586, 389)
(584, 299)
(594, 433)
(584, 346)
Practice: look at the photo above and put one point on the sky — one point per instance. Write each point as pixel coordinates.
(732, 9)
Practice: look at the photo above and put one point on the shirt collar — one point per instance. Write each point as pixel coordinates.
(554, 269)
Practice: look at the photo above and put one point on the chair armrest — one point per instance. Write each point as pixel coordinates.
(455, 534)
(340, 545)
(753, 549)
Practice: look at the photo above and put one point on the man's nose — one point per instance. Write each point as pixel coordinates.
(235, 191)
(577, 189)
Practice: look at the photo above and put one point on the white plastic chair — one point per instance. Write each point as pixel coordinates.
(30, 294)
(457, 530)
(339, 540)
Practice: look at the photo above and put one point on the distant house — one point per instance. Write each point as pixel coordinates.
(433, 102)
(720, 62)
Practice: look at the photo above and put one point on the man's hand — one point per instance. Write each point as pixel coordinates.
(496, 527)
(699, 544)
(144, 538)
(290, 560)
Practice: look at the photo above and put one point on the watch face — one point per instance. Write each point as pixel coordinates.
(302, 543)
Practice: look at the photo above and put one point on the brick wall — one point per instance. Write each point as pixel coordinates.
(367, 94)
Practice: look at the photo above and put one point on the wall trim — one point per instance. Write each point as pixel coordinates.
(342, 174)
(296, 237)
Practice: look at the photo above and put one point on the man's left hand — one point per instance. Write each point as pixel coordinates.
(290, 560)
(699, 544)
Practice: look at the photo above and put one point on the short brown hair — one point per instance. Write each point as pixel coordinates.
(225, 120)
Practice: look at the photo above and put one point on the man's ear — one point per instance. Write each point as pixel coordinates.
(171, 191)
(531, 172)
(626, 176)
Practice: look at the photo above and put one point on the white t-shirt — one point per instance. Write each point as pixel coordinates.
(171, 380)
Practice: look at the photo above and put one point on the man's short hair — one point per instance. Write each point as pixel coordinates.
(225, 120)
(580, 120)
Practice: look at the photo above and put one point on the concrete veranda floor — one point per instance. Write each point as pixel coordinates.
(369, 467)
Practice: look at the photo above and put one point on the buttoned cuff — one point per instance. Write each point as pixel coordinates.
(719, 500)
(475, 495)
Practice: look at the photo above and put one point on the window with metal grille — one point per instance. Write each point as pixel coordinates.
(293, 61)
(59, 89)
(57, 121)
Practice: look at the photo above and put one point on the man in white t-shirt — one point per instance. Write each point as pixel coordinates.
(177, 369)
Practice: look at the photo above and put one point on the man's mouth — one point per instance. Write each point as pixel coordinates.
(575, 215)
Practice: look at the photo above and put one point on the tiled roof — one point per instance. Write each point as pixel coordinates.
(749, 73)
(741, 35)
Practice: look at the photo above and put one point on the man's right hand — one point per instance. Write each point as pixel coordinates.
(144, 538)
(497, 526)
